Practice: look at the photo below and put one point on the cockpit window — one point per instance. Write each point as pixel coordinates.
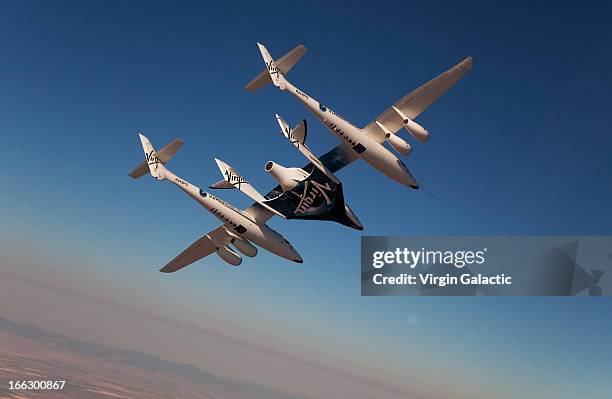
(322, 107)
(203, 193)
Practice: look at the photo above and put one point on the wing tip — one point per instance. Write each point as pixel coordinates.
(467, 62)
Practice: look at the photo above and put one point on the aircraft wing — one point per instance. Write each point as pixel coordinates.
(338, 157)
(334, 160)
(417, 101)
(203, 247)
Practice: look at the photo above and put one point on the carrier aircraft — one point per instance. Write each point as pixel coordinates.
(367, 143)
(239, 228)
(311, 192)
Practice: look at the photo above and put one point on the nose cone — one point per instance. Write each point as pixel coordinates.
(405, 177)
(286, 177)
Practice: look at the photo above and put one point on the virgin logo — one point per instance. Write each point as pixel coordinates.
(234, 178)
(312, 192)
(152, 159)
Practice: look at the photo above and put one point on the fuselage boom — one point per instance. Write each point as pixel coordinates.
(365, 146)
(237, 221)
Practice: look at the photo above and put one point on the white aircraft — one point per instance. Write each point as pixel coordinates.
(367, 143)
(239, 228)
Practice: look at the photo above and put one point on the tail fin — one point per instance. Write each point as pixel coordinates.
(275, 74)
(354, 221)
(156, 165)
(233, 179)
(297, 137)
(164, 155)
(284, 65)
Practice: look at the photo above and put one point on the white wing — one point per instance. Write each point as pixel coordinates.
(417, 101)
(196, 251)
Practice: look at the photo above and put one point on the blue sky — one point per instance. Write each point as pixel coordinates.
(521, 146)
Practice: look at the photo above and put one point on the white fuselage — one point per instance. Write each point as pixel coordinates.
(365, 146)
(237, 221)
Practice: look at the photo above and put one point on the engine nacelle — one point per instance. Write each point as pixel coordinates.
(244, 246)
(417, 131)
(286, 177)
(399, 144)
(229, 256)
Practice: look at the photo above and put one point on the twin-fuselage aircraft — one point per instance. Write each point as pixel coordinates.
(310, 192)
(239, 228)
(367, 143)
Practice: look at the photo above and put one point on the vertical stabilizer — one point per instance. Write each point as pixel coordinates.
(156, 165)
(284, 65)
(275, 74)
(233, 179)
(297, 137)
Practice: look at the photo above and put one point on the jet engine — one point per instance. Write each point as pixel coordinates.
(244, 246)
(399, 144)
(417, 131)
(396, 142)
(229, 256)
(286, 177)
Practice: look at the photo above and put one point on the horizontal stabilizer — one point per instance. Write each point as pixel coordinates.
(223, 184)
(284, 64)
(164, 155)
